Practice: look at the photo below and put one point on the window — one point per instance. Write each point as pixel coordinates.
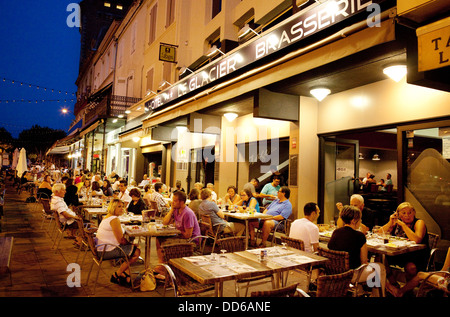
(107, 4)
(133, 37)
(149, 80)
(216, 7)
(152, 29)
(170, 17)
(119, 7)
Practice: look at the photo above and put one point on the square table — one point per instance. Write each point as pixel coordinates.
(246, 217)
(229, 266)
(148, 231)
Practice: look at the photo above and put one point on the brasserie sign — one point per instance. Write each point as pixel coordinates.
(299, 27)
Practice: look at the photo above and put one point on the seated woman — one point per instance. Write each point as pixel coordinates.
(71, 197)
(45, 187)
(232, 198)
(107, 188)
(137, 204)
(85, 189)
(349, 239)
(96, 190)
(148, 190)
(210, 208)
(194, 197)
(403, 223)
(110, 231)
(248, 202)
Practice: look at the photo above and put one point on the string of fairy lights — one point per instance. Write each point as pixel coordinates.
(66, 96)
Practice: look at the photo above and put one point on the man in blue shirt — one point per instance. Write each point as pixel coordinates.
(270, 190)
(280, 209)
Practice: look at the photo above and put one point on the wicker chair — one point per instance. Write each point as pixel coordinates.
(339, 261)
(182, 283)
(209, 230)
(293, 243)
(288, 291)
(236, 244)
(336, 285)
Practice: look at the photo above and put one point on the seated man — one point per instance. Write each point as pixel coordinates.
(124, 194)
(269, 191)
(157, 197)
(304, 229)
(185, 221)
(280, 209)
(66, 215)
(210, 208)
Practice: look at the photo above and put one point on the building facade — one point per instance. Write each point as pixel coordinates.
(170, 72)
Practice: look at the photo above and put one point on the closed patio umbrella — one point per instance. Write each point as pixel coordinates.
(15, 159)
(22, 163)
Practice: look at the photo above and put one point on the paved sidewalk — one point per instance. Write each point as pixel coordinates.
(40, 271)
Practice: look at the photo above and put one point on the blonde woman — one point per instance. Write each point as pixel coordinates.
(403, 223)
(110, 231)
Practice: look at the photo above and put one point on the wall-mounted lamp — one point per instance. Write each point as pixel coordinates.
(150, 92)
(230, 116)
(320, 93)
(245, 30)
(163, 83)
(185, 69)
(213, 50)
(395, 72)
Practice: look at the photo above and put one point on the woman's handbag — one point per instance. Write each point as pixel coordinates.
(147, 281)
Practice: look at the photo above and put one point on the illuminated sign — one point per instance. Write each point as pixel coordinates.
(297, 28)
(434, 45)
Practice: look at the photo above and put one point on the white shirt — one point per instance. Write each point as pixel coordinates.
(58, 204)
(305, 230)
(125, 196)
(105, 234)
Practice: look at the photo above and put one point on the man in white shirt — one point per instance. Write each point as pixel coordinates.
(305, 229)
(124, 195)
(210, 186)
(66, 215)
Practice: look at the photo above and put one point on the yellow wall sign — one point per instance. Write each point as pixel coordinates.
(434, 45)
(167, 53)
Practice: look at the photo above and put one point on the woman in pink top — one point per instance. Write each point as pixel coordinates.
(110, 232)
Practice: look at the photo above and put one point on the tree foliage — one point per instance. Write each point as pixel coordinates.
(39, 139)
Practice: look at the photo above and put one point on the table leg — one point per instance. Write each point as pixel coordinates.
(148, 245)
(246, 234)
(218, 289)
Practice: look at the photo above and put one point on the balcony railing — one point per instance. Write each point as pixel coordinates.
(109, 106)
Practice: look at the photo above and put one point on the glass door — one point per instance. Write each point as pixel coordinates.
(338, 175)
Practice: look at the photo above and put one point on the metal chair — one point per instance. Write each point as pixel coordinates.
(236, 244)
(47, 214)
(282, 227)
(84, 239)
(209, 230)
(98, 256)
(433, 240)
(431, 282)
(183, 285)
(60, 228)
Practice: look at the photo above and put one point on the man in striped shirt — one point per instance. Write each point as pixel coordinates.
(66, 215)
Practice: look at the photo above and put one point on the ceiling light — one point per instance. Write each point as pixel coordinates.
(395, 72)
(320, 93)
(230, 116)
(245, 30)
(136, 139)
(127, 111)
(361, 156)
(375, 157)
(213, 50)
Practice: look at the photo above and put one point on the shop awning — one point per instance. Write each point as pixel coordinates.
(58, 150)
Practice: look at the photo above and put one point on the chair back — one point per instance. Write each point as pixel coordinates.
(288, 291)
(206, 225)
(389, 188)
(293, 243)
(90, 239)
(232, 244)
(433, 240)
(180, 250)
(46, 205)
(335, 285)
(59, 224)
(339, 261)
